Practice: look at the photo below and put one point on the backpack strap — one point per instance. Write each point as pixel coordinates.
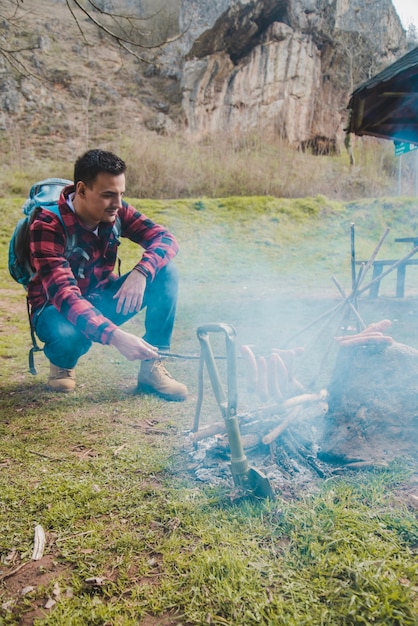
(71, 242)
(35, 346)
(117, 229)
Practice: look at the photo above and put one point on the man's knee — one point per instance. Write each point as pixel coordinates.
(167, 278)
(63, 342)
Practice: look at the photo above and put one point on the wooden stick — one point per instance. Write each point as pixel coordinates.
(276, 432)
(14, 571)
(315, 321)
(305, 398)
(352, 307)
(292, 416)
(353, 258)
(208, 431)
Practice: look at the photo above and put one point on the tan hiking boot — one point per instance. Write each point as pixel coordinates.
(154, 378)
(61, 379)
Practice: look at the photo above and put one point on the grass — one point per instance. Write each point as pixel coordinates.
(132, 536)
(219, 167)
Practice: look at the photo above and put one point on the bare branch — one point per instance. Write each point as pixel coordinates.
(118, 32)
(76, 21)
(138, 31)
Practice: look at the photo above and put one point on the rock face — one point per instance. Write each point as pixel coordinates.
(287, 66)
(373, 413)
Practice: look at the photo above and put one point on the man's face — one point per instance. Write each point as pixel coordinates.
(101, 201)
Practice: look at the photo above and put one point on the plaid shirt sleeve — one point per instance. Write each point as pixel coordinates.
(160, 246)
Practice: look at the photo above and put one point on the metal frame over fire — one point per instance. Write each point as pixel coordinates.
(245, 477)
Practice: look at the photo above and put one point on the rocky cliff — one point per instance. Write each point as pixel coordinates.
(287, 66)
(278, 66)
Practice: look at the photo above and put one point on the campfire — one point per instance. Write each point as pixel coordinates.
(365, 417)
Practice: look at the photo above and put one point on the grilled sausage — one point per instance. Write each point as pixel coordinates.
(273, 382)
(262, 384)
(377, 327)
(251, 368)
(362, 340)
(358, 336)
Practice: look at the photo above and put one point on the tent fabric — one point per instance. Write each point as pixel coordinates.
(386, 105)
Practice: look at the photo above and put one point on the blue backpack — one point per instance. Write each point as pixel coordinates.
(43, 194)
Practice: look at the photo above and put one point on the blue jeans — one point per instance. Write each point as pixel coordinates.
(64, 344)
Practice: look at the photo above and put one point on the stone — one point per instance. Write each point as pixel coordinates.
(372, 405)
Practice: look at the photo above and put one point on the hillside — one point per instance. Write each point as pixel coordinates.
(233, 67)
(74, 91)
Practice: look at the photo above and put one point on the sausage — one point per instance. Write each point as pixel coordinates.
(289, 383)
(273, 383)
(343, 338)
(251, 368)
(377, 327)
(288, 358)
(282, 374)
(262, 385)
(362, 340)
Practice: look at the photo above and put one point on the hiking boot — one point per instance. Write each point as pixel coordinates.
(154, 378)
(61, 379)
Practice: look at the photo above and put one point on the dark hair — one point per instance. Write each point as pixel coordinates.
(93, 162)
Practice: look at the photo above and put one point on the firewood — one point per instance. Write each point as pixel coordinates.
(293, 415)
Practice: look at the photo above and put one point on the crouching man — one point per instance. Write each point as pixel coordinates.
(75, 296)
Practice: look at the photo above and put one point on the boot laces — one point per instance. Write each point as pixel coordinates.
(61, 372)
(160, 369)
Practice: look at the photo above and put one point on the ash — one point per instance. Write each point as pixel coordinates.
(291, 468)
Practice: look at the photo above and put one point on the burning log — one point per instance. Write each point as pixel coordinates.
(271, 421)
(248, 441)
(208, 431)
(319, 406)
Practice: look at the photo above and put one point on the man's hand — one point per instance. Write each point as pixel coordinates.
(133, 347)
(131, 293)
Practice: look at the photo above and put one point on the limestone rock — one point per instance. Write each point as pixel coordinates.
(286, 67)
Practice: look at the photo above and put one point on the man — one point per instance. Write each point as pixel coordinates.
(78, 300)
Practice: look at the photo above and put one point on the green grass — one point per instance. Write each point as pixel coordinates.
(106, 472)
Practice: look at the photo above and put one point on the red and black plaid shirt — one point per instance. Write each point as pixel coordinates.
(57, 279)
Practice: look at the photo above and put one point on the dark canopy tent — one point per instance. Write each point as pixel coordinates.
(386, 105)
